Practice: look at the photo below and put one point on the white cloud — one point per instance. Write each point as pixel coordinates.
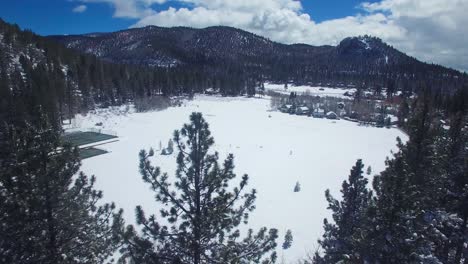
(129, 8)
(435, 30)
(431, 30)
(80, 9)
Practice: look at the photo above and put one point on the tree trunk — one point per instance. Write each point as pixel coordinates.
(197, 222)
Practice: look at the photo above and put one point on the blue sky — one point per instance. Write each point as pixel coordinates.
(430, 30)
(53, 17)
(56, 17)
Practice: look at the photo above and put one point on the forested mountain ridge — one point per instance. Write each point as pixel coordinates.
(36, 71)
(354, 61)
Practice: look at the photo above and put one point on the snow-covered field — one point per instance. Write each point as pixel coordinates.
(311, 90)
(275, 149)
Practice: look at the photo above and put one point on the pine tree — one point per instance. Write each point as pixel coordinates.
(48, 213)
(297, 187)
(393, 190)
(202, 214)
(170, 146)
(412, 222)
(342, 240)
(288, 239)
(455, 160)
(419, 212)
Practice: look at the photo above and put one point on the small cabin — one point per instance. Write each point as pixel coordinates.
(379, 119)
(318, 113)
(303, 110)
(211, 91)
(286, 108)
(354, 115)
(332, 115)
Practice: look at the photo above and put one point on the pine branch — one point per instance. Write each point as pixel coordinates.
(157, 185)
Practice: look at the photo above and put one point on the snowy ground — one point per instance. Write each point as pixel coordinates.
(311, 90)
(275, 149)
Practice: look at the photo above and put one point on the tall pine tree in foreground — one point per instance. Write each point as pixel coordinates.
(412, 223)
(456, 165)
(419, 211)
(201, 209)
(342, 240)
(48, 213)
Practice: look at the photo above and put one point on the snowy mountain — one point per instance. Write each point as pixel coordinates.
(365, 58)
(172, 46)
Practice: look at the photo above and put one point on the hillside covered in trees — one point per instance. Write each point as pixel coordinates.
(356, 61)
(36, 71)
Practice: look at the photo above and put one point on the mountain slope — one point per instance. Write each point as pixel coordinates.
(354, 60)
(36, 72)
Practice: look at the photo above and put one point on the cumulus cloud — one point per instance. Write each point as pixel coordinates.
(80, 9)
(280, 20)
(431, 30)
(434, 30)
(129, 8)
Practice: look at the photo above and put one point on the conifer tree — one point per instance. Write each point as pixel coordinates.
(48, 212)
(297, 187)
(413, 221)
(288, 239)
(342, 240)
(201, 211)
(455, 151)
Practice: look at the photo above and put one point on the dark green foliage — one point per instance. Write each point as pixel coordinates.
(201, 211)
(297, 187)
(49, 213)
(64, 82)
(415, 223)
(144, 104)
(288, 239)
(343, 239)
(419, 211)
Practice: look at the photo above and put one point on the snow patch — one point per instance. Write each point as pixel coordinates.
(366, 43)
(311, 90)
